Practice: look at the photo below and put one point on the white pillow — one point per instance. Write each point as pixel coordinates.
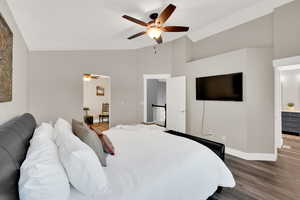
(63, 124)
(41, 175)
(80, 161)
(45, 130)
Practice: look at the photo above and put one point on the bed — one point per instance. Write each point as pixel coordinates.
(149, 164)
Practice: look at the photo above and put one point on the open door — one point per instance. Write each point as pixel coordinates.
(176, 104)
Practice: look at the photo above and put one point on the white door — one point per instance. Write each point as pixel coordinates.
(176, 104)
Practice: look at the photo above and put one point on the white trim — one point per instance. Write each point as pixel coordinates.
(251, 156)
(277, 110)
(146, 77)
(157, 76)
(290, 61)
(243, 16)
(281, 65)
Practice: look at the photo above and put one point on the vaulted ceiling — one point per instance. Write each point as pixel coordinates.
(97, 24)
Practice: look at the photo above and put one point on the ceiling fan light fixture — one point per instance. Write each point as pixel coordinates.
(154, 32)
(87, 77)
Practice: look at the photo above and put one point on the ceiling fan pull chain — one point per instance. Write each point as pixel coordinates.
(155, 48)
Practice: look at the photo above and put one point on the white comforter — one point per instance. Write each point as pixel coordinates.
(152, 165)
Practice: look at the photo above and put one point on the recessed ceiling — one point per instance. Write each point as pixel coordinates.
(97, 24)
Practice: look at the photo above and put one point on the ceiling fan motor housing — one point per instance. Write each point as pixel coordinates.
(154, 16)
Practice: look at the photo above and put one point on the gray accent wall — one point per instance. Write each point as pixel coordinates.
(247, 126)
(287, 30)
(56, 86)
(55, 81)
(147, 62)
(255, 34)
(19, 103)
(279, 30)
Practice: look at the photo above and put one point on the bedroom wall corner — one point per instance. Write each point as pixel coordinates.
(260, 101)
(19, 103)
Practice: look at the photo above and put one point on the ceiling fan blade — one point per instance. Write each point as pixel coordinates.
(174, 29)
(137, 35)
(134, 20)
(159, 40)
(165, 14)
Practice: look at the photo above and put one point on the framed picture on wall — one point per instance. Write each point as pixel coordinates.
(99, 91)
(6, 54)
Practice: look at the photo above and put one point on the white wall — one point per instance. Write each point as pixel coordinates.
(19, 103)
(290, 88)
(245, 126)
(91, 100)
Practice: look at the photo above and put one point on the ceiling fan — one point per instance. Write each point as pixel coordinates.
(88, 77)
(155, 28)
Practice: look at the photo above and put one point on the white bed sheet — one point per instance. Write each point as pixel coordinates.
(150, 164)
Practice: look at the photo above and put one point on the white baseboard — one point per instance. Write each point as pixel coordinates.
(279, 146)
(251, 156)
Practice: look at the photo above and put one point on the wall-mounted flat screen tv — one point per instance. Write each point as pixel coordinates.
(228, 87)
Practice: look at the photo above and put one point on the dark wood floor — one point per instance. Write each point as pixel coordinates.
(258, 180)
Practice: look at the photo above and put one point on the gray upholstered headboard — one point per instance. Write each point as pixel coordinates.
(14, 141)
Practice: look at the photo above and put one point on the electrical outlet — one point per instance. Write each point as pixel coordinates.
(210, 132)
(223, 138)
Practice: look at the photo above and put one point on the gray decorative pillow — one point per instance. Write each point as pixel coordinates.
(75, 125)
(90, 138)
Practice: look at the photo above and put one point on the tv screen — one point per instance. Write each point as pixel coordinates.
(227, 87)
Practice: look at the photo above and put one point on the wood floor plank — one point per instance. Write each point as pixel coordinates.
(260, 180)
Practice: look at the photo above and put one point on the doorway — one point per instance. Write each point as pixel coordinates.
(155, 99)
(287, 101)
(166, 106)
(97, 100)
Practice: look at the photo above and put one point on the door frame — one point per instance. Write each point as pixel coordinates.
(147, 77)
(110, 95)
(279, 65)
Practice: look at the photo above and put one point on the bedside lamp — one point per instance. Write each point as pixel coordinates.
(88, 119)
(86, 109)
